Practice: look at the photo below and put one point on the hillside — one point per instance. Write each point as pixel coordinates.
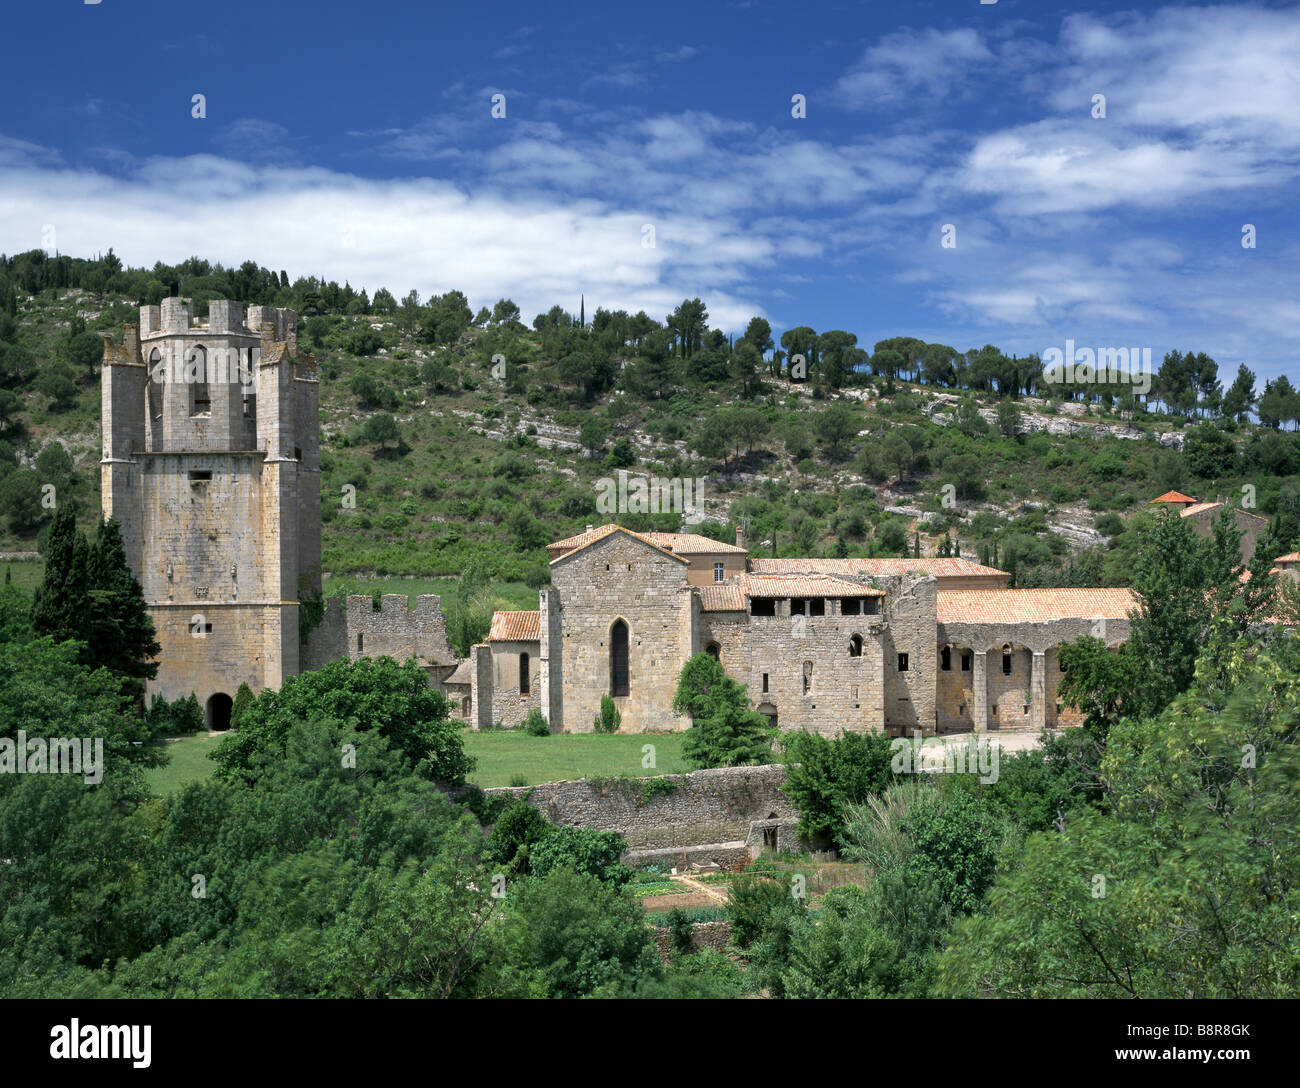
(502, 433)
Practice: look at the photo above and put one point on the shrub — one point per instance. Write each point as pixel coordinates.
(174, 719)
(514, 834)
(680, 930)
(583, 849)
(609, 719)
(536, 725)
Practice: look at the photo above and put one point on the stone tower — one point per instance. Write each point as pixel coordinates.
(211, 465)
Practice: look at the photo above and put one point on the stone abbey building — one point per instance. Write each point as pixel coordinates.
(824, 644)
(211, 466)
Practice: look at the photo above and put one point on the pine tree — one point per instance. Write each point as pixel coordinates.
(243, 697)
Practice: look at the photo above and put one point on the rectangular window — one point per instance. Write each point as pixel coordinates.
(798, 606)
(200, 629)
(902, 662)
(201, 476)
(965, 662)
(718, 571)
(360, 641)
(1006, 664)
(764, 683)
(817, 606)
(870, 606)
(945, 659)
(763, 606)
(850, 606)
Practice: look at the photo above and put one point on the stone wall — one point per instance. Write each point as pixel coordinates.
(800, 670)
(357, 629)
(909, 694)
(705, 807)
(509, 706)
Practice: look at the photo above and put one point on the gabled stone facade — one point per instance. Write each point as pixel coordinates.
(928, 645)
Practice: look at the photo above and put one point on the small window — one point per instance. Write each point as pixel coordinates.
(764, 683)
(714, 651)
(798, 606)
(361, 641)
(855, 646)
(965, 662)
(763, 606)
(961, 711)
(248, 407)
(807, 677)
(902, 662)
(1058, 708)
(1006, 664)
(945, 659)
(870, 606)
(718, 572)
(817, 606)
(524, 684)
(201, 476)
(200, 629)
(297, 454)
(850, 606)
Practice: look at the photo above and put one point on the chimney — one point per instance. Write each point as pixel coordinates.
(590, 528)
(740, 537)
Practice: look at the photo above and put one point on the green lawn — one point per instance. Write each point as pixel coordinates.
(570, 755)
(499, 755)
(26, 572)
(189, 763)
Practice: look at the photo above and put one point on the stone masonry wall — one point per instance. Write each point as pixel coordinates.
(621, 577)
(715, 806)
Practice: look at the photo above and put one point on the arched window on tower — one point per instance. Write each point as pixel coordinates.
(619, 679)
(196, 377)
(855, 646)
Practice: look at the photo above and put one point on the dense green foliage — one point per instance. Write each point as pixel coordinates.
(725, 729)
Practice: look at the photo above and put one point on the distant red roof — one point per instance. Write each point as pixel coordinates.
(954, 567)
(516, 627)
(814, 585)
(1174, 496)
(1032, 605)
(678, 543)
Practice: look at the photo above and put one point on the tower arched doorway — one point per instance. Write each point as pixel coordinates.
(218, 711)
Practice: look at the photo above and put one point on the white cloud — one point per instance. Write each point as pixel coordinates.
(930, 63)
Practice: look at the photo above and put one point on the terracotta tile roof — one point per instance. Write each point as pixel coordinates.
(724, 598)
(680, 543)
(463, 674)
(1032, 605)
(816, 585)
(1292, 557)
(1173, 496)
(516, 627)
(566, 548)
(1199, 508)
(954, 567)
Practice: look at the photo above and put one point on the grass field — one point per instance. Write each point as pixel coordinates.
(27, 572)
(189, 763)
(570, 755)
(499, 755)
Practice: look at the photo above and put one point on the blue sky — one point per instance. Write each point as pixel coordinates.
(357, 142)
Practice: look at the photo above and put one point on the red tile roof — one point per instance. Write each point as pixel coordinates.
(516, 627)
(723, 598)
(1292, 557)
(679, 543)
(816, 585)
(1199, 508)
(1173, 496)
(955, 567)
(1032, 605)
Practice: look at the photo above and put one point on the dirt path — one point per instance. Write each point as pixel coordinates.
(696, 886)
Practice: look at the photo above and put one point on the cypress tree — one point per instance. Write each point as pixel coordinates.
(61, 604)
(121, 632)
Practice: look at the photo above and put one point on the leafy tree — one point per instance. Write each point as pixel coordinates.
(516, 831)
(371, 696)
(584, 937)
(381, 429)
(584, 850)
(835, 429)
(825, 776)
